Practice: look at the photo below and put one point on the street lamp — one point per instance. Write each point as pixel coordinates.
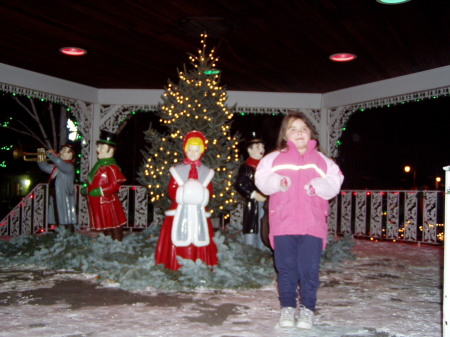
(438, 180)
(409, 169)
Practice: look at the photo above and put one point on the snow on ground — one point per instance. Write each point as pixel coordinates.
(391, 289)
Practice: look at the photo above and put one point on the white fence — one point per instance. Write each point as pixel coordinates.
(410, 216)
(30, 215)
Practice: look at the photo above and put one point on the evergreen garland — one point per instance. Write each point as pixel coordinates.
(130, 264)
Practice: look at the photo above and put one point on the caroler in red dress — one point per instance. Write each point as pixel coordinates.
(105, 209)
(187, 230)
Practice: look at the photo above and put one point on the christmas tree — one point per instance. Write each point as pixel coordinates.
(197, 102)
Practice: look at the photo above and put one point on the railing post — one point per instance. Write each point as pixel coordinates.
(446, 303)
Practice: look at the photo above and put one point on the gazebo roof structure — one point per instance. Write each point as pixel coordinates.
(270, 46)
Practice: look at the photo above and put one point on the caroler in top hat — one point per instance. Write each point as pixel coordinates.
(245, 185)
(187, 230)
(103, 182)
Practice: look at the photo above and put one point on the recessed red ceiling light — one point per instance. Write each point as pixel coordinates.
(342, 57)
(73, 51)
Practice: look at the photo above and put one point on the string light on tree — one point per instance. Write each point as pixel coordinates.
(196, 102)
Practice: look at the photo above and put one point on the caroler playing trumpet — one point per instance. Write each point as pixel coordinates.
(61, 168)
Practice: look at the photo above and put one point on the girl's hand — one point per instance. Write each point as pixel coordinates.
(310, 190)
(285, 183)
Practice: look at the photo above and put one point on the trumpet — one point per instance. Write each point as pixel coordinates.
(29, 156)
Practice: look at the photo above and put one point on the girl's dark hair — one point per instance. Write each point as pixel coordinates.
(287, 121)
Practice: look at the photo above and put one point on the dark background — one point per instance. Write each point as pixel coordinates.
(378, 143)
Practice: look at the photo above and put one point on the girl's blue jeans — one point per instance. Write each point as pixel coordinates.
(297, 260)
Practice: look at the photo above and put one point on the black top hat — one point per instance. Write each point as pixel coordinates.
(107, 137)
(253, 139)
(73, 145)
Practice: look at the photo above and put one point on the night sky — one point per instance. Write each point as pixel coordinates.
(378, 143)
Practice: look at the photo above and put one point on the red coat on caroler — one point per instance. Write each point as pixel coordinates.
(106, 211)
(166, 252)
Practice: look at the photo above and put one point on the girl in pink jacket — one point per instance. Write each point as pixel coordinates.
(300, 180)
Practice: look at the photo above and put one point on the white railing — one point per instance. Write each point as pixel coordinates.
(407, 216)
(410, 216)
(30, 215)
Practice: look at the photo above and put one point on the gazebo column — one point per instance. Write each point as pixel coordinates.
(94, 134)
(446, 301)
(324, 131)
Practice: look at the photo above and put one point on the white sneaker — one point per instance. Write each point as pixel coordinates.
(287, 318)
(306, 318)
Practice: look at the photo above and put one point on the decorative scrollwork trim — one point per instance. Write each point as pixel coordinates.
(340, 115)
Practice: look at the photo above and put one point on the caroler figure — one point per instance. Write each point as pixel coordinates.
(254, 199)
(187, 230)
(105, 209)
(61, 209)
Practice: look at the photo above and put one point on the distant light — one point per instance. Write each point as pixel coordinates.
(342, 57)
(392, 2)
(73, 51)
(26, 183)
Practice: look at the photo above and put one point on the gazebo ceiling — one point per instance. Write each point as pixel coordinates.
(280, 46)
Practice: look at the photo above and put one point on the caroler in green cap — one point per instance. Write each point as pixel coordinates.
(103, 183)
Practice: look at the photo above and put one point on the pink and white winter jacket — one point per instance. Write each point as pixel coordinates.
(302, 207)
